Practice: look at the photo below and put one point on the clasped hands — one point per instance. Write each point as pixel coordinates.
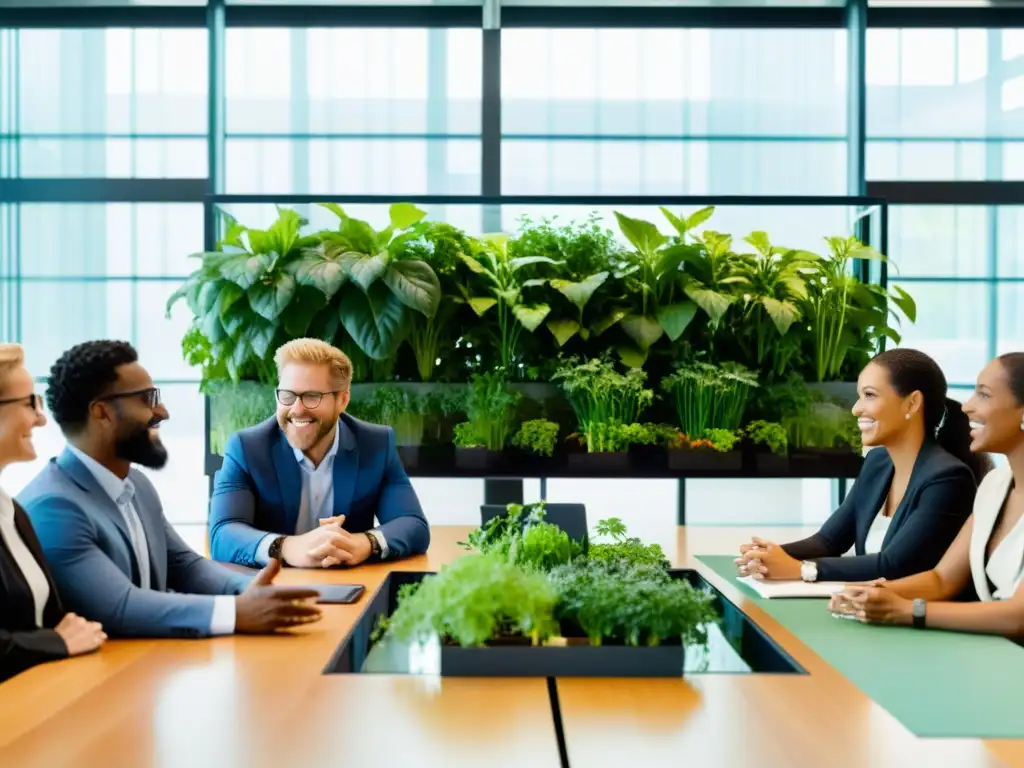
(326, 546)
(872, 603)
(762, 559)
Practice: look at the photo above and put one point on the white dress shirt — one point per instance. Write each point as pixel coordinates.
(317, 500)
(876, 533)
(23, 557)
(122, 492)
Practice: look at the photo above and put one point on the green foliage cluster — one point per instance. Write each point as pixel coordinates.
(538, 436)
(423, 300)
(619, 591)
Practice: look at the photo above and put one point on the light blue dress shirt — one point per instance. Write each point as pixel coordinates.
(123, 493)
(317, 501)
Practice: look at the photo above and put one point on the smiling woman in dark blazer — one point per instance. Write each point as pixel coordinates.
(914, 492)
(33, 626)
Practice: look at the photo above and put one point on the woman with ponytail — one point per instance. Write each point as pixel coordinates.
(914, 491)
(988, 553)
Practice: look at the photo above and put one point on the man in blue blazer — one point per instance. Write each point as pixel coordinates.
(114, 556)
(305, 485)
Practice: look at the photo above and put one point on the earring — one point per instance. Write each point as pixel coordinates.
(908, 419)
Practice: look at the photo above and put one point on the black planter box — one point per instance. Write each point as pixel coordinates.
(771, 464)
(705, 460)
(477, 458)
(571, 660)
(410, 456)
(825, 462)
(599, 463)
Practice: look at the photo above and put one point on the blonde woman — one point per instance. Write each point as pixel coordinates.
(33, 627)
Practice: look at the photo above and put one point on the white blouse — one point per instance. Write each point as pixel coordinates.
(876, 533)
(23, 558)
(1005, 568)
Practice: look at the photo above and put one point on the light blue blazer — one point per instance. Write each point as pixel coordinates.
(88, 546)
(258, 490)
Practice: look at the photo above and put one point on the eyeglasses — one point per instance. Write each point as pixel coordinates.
(33, 401)
(150, 396)
(309, 399)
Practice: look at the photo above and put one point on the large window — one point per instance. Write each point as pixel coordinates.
(673, 111)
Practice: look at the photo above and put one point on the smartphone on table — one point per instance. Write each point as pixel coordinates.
(338, 593)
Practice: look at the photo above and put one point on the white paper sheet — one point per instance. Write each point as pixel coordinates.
(778, 589)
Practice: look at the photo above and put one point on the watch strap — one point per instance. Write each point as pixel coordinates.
(375, 549)
(275, 548)
(919, 612)
(809, 571)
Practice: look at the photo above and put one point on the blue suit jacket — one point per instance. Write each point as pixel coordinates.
(935, 506)
(87, 544)
(258, 490)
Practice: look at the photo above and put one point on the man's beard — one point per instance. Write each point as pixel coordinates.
(139, 448)
(323, 428)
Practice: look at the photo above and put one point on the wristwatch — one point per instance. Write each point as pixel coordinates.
(809, 570)
(374, 544)
(919, 613)
(275, 548)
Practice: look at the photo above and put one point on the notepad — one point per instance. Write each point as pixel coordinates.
(778, 589)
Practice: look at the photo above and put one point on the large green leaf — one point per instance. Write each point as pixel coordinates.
(643, 329)
(678, 224)
(244, 269)
(363, 268)
(644, 236)
(530, 316)
(782, 313)
(212, 327)
(336, 209)
(580, 293)
(606, 322)
(208, 294)
(226, 298)
(415, 284)
(474, 265)
(481, 304)
(670, 258)
(713, 303)
(239, 316)
(189, 290)
(284, 233)
(905, 302)
(563, 330)
(796, 285)
(268, 299)
(524, 261)
(760, 242)
(259, 336)
(306, 305)
(631, 357)
(357, 234)
(325, 325)
(699, 216)
(405, 215)
(240, 354)
(318, 269)
(376, 319)
(675, 317)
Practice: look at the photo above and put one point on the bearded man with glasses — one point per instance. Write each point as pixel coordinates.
(114, 555)
(305, 486)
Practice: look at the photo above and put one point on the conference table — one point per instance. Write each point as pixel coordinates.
(253, 701)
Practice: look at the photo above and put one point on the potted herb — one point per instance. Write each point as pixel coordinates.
(404, 410)
(771, 446)
(709, 396)
(490, 410)
(607, 405)
(824, 441)
(714, 451)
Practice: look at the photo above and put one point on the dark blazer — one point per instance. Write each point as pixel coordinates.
(938, 501)
(258, 490)
(22, 644)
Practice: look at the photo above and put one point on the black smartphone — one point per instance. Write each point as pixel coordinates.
(338, 593)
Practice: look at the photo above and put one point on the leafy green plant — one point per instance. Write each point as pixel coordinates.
(537, 436)
(490, 408)
(770, 434)
(722, 440)
(824, 425)
(501, 283)
(709, 396)
(523, 537)
(611, 543)
(479, 597)
(237, 406)
(632, 604)
(244, 296)
(603, 400)
(657, 303)
(404, 411)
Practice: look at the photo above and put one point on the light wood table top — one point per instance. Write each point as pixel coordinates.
(263, 701)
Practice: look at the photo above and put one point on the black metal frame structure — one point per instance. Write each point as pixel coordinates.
(856, 16)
